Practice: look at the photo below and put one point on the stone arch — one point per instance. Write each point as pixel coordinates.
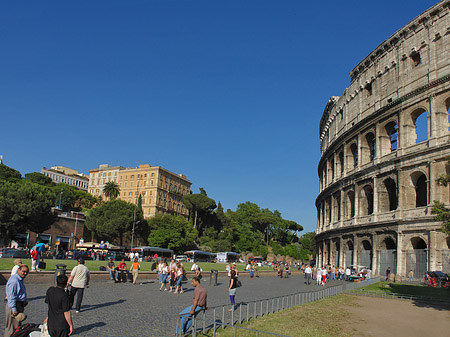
(365, 253)
(366, 200)
(420, 121)
(368, 149)
(388, 199)
(419, 181)
(389, 137)
(388, 243)
(348, 253)
(418, 243)
(447, 109)
(349, 205)
(341, 162)
(447, 241)
(354, 155)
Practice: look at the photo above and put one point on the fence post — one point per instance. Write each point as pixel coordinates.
(215, 323)
(255, 314)
(223, 317)
(194, 326)
(240, 313)
(248, 309)
(261, 309)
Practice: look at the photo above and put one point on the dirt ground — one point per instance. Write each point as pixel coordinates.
(373, 316)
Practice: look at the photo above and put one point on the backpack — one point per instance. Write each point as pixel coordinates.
(25, 329)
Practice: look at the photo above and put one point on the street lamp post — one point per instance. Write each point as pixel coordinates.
(134, 216)
(60, 196)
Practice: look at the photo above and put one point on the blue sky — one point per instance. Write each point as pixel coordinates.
(229, 93)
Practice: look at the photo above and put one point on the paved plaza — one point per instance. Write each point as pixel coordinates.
(111, 309)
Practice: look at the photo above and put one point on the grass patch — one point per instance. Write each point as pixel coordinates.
(8, 263)
(324, 318)
(442, 294)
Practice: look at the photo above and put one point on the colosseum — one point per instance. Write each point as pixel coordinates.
(384, 143)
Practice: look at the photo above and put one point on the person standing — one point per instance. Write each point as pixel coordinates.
(308, 274)
(173, 274)
(348, 272)
(59, 316)
(286, 271)
(17, 263)
(16, 294)
(198, 304)
(324, 275)
(164, 275)
(179, 278)
(78, 280)
(388, 271)
(35, 254)
(135, 270)
(232, 289)
(411, 275)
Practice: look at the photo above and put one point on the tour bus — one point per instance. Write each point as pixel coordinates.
(200, 256)
(147, 251)
(227, 257)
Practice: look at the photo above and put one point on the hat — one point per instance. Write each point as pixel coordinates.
(20, 317)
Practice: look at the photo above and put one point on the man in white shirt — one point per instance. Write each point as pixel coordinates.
(78, 280)
(194, 267)
(348, 272)
(308, 274)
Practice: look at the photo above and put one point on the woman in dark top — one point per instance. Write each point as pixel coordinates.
(232, 288)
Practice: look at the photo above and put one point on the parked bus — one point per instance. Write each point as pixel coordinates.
(150, 252)
(200, 256)
(227, 257)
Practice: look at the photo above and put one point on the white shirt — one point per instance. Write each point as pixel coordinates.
(194, 267)
(347, 272)
(14, 270)
(307, 270)
(324, 271)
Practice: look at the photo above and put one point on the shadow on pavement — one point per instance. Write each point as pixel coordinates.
(89, 327)
(432, 304)
(88, 307)
(36, 298)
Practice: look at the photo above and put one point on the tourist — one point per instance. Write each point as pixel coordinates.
(308, 275)
(111, 267)
(16, 295)
(123, 271)
(17, 263)
(173, 274)
(180, 277)
(348, 272)
(198, 304)
(411, 275)
(388, 271)
(232, 289)
(36, 253)
(324, 275)
(78, 281)
(319, 276)
(59, 317)
(164, 275)
(135, 267)
(286, 271)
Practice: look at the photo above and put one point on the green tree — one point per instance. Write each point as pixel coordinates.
(442, 214)
(198, 204)
(112, 219)
(171, 231)
(24, 206)
(8, 173)
(39, 178)
(111, 190)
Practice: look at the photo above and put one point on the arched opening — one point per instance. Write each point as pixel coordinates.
(416, 258)
(446, 257)
(392, 132)
(370, 142)
(341, 163)
(388, 255)
(389, 200)
(332, 169)
(366, 200)
(420, 186)
(348, 253)
(365, 258)
(420, 121)
(350, 205)
(337, 253)
(354, 151)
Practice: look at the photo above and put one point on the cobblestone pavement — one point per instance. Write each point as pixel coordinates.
(121, 309)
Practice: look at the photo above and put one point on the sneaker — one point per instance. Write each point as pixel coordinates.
(77, 311)
(181, 291)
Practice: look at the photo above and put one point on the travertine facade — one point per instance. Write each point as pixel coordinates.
(379, 166)
(61, 174)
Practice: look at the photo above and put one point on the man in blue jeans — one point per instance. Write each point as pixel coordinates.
(198, 304)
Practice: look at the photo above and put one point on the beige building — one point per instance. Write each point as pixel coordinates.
(100, 176)
(61, 174)
(378, 167)
(161, 190)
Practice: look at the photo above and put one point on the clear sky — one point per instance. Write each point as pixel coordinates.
(229, 93)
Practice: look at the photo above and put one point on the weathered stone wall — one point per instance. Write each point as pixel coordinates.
(377, 172)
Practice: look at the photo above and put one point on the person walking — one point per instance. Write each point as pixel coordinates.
(388, 271)
(78, 280)
(16, 295)
(319, 276)
(308, 275)
(135, 267)
(232, 289)
(198, 304)
(324, 275)
(164, 275)
(179, 278)
(286, 271)
(59, 316)
(173, 275)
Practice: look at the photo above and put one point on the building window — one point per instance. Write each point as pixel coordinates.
(415, 58)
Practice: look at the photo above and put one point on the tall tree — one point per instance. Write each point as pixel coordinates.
(112, 219)
(24, 206)
(198, 203)
(8, 173)
(111, 190)
(39, 178)
(171, 231)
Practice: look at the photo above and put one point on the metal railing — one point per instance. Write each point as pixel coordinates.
(219, 317)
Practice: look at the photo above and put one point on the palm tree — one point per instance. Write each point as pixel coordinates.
(111, 190)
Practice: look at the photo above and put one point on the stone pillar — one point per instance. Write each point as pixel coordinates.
(355, 250)
(374, 255)
(433, 188)
(375, 199)
(355, 219)
(401, 254)
(341, 252)
(432, 251)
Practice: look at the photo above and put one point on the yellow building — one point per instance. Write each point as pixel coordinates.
(100, 176)
(161, 190)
